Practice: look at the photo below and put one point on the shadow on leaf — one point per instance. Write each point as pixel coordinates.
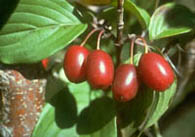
(6, 8)
(134, 111)
(65, 109)
(99, 113)
(185, 18)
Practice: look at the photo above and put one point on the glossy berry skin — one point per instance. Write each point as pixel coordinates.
(125, 85)
(75, 63)
(155, 71)
(100, 69)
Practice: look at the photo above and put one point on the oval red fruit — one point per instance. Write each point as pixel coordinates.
(100, 69)
(155, 71)
(75, 62)
(125, 85)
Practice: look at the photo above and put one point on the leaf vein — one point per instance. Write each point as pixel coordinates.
(65, 14)
(38, 28)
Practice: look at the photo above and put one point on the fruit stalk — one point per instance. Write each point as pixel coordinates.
(99, 38)
(145, 44)
(88, 36)
(131, 50)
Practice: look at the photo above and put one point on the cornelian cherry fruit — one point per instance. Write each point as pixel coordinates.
(75, 63)
(125, 85)
(155, 71)
(100, 69)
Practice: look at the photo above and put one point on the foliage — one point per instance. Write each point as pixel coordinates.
(38, 29)
(50, 27)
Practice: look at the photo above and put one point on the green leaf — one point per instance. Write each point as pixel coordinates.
(160, 104)
(38, 29)
(141, 14)
(170, 20)
(7, 7)
(58, 117)
(133, 113)
(77, 111)
(100, 112)
(146, 5)
(145, 110)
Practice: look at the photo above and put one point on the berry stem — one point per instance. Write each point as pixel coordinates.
(131, 50)
(88, 36)
(145, 43)
(99, 38)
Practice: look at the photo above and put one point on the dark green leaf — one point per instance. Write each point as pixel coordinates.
(160, 104)
(141, 14)
(6, 9)
(38, 29)
(146, 5)
(146, 109)
(134, 112)
(58, 117)
(96, 116)
(77, 111)
(170, 20)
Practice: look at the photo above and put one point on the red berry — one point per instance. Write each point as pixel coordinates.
(100, 69)
(45, 63)
(155, 71)
(125, 83)
(75, 62)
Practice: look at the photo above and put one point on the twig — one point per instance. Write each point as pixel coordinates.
(156, 4)
(119, 40)
(186, 69)
(120, 25)
(148, 133)
(157, 130)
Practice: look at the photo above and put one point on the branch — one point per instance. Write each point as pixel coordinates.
(22, 101)
(157, 130)
(120, 25)
(157, 2)
(186, 69)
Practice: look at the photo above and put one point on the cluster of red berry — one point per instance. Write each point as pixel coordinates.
(98, 69)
